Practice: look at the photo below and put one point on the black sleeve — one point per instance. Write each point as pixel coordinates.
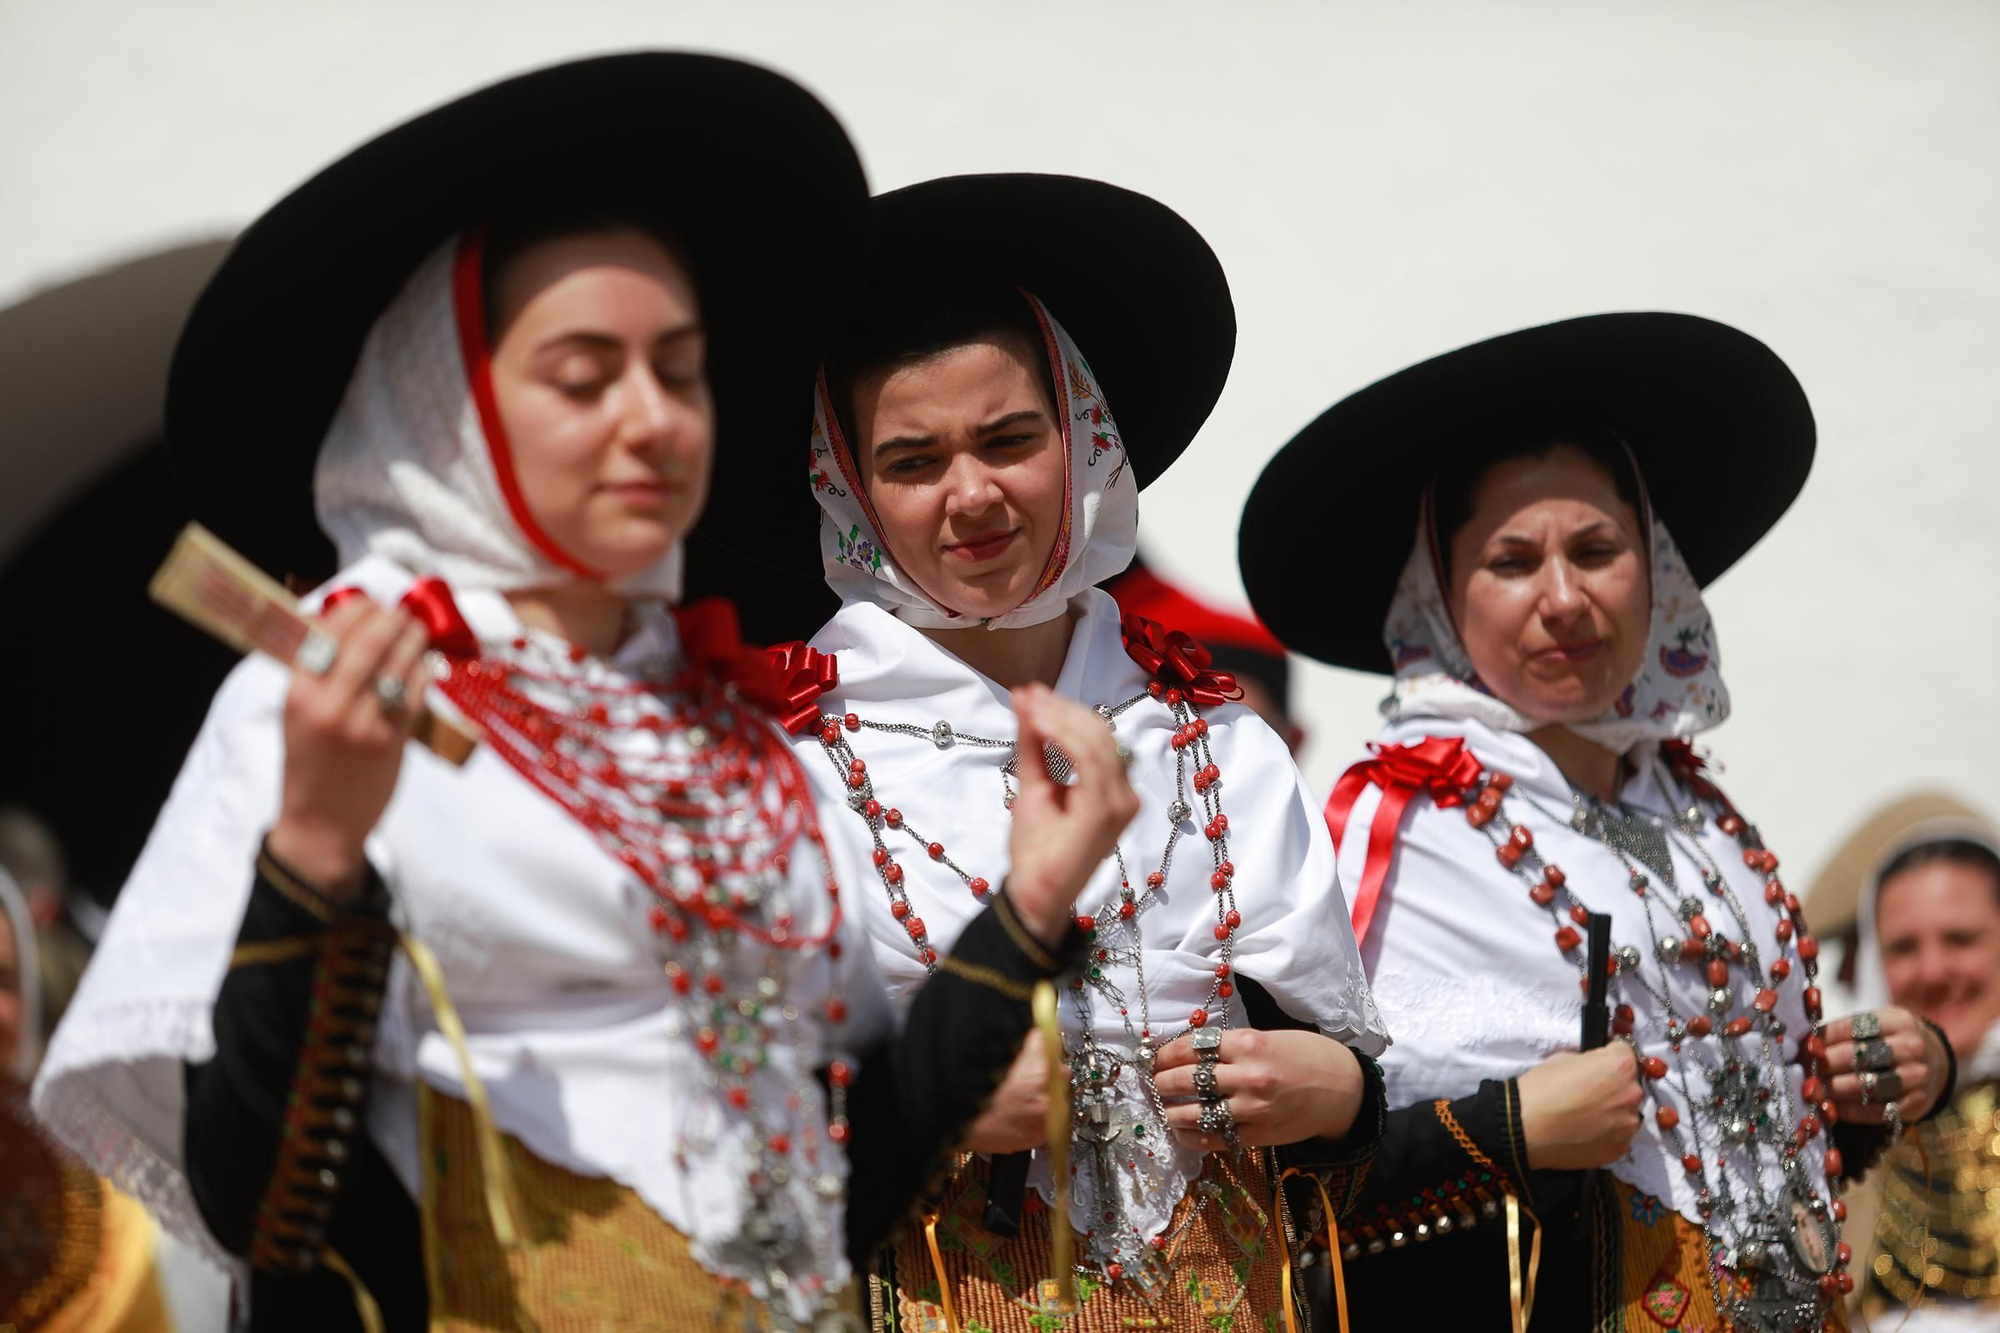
(1341, 1164)
(277, 1158)
(915, 1095)
(1450, 1159)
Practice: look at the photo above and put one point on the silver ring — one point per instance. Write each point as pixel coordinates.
(1874, 1054)
(1868, 1081)
(391, 693)
(1215, 1117)
(1124, 754)
(1892, 1117)
(315, 655)
(1866, 1024)
(1204, 1080)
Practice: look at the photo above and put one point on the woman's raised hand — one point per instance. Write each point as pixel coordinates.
(1017, 1118)
(1580, 1109)
(1905, 1060)
(345, 727)
(1062, 833)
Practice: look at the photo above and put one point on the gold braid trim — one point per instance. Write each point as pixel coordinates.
(980, 975)
(1010, 921)
(301, 894)
(261, 952)
(1442, 1108)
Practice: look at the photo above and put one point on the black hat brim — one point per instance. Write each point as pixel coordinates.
(754, 176)
(1137, 288)
(1720, 426)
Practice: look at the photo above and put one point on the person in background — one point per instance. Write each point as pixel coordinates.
(1239, 644)
(76, 1256)
(67, 922)
(1928, 929)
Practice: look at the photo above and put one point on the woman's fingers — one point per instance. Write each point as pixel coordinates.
(396, 680)
(1904, 1047)
(1092, 750)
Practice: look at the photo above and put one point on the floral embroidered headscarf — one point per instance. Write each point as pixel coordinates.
(1099, 532)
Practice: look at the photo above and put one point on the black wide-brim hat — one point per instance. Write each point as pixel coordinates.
(752, 174)
(1134, 284)
(1719, 425)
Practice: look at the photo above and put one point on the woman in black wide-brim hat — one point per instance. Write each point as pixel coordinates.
(970, 487)
(1503, 549)
(642, 1075)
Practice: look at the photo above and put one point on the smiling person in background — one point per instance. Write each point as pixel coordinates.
(1512, 565)
(1929, 940)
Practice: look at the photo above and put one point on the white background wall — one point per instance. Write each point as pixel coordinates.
(1382, 182)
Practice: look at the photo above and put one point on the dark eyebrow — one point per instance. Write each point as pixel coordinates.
(1522, 539)
(905, 442)
(988, 428)
(1001, 423)
(605, 342)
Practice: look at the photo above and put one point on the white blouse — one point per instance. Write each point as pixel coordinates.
(1294, 937)
(547, 956)
(1468, 973)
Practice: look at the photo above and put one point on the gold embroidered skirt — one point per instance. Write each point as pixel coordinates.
(593, 1258)
(1220, 1274)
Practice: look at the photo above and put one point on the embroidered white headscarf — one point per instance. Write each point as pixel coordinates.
(1098, 536)
(416, 466)
(1677, 692)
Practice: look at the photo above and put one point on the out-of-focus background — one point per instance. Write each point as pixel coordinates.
(1382, 182)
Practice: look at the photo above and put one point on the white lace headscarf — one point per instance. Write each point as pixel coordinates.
(28, 1046)
(1100, 527)
(417, 467)
(1677, 692)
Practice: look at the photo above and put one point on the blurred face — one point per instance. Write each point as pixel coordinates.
(1939, 926)
(1549, 587)
(10, 996)
(598, 371)
(963, 458)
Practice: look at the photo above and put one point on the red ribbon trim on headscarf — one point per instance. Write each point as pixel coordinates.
(468, 301)
(1176, 660)
(1441, 766)
(785, 681)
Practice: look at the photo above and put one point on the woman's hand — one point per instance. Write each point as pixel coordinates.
(1580, 1109)
(1281, 1087)
(1062, 833)
(1017, 1118)
(344, 743)
(1907, 1058)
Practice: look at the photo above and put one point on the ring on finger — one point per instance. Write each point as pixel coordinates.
(1215, 1118)
(1874, 1053)
(1867, 1025)
(315, 655)
(1868, 1080)
(391, 694)
(1892, 1118)
(1204, 1080)
(1888, 1085)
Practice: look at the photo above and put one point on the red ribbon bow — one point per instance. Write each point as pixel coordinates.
(786, 681)
(1438, 765)
(429, 602)
(1175, 659)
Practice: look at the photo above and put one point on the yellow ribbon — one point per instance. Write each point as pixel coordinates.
(496, 1178)
(1062, 1241)
(364, 1304)
(1519, 1292)
(944, 1278)
(1332, 1251)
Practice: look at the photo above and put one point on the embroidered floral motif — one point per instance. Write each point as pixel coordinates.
(1666, 1301)
(1647, 1208)
(859, 551)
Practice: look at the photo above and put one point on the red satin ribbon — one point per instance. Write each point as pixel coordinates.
(429, 602)
(1175, 659)
(1441, 766)
(786, 681)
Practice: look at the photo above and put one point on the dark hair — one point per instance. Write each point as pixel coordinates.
(510, 235)
(913, 320)
(1949, 851)
(1452, 492)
